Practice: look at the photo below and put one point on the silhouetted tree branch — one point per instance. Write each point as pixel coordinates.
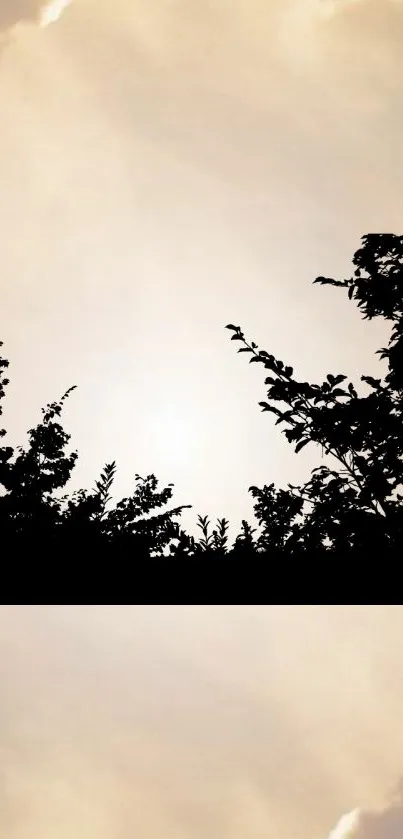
(351, 502)
(358, 505)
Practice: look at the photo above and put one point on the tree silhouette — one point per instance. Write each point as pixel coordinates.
(33, 510)
(351, 502)
(356, 505)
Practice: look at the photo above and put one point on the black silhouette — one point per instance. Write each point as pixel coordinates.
(352, 502)
(358, 504)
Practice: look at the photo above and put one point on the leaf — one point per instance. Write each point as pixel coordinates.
(350, 292)
(267, 407)
(339, 378)
(294, 433)
(375, 383)
(245, 349)
(335, 483)
(301, 445)
(231, 326)
(328, 281)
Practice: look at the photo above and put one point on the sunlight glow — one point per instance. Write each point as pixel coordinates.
(173, 435)
(52, 12)
(345, 825)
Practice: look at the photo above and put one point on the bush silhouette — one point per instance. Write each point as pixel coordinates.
(352, 503)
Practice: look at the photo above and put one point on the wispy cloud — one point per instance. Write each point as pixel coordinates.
(313, 31)
(31, 12)
(346, 825)
(386, 823)
(328, 8)
(52, 11)
(331, 7)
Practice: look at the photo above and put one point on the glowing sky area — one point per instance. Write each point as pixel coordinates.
(201, 722)
(51, 12)
(167, 168)
(346, 825)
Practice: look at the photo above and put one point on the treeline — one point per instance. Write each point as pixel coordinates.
(351, 504)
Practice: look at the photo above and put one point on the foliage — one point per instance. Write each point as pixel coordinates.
(30, 506)
(356, 505)
(351, 502)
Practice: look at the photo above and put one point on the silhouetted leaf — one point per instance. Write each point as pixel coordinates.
(375, 383)
(301, 445)
(327, 281)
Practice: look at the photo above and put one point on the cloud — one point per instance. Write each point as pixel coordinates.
(331, 7)
(52, 11)
(313, 32)
(386, 823)
(346, 825)
(328, 8)
(34, 12)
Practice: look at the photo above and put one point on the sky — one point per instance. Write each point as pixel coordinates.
(170, 166)
(204, 722)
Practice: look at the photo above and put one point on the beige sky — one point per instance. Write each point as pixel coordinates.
(200, 722)
(169, 166)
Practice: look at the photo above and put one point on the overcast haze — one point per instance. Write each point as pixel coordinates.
(167, 168)
(212, 722)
